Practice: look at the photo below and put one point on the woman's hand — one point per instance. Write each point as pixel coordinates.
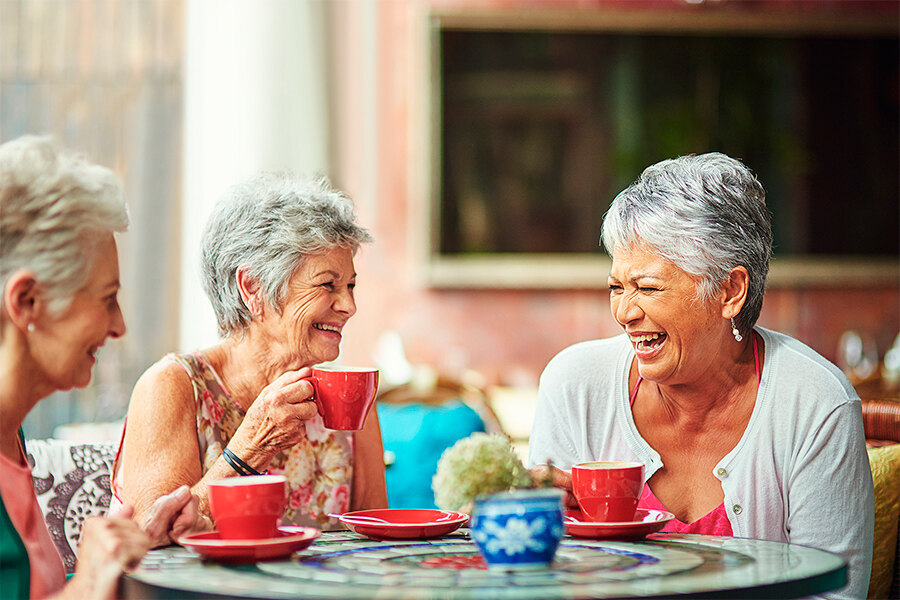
(273, 420)
(172, 516)
(544, 475)
(108, 547)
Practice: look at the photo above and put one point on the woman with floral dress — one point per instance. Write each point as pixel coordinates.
(277, 265)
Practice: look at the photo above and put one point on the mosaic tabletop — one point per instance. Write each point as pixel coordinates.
(349, 566)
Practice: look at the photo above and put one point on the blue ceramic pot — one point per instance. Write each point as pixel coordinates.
(518, 530)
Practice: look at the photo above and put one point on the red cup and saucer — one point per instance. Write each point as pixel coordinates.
(247, 511)
(403, 523)
(286, 541)
(607, 494)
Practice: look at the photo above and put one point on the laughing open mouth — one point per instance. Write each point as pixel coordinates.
(648, 341)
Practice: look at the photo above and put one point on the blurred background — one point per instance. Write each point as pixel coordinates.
(482, 141)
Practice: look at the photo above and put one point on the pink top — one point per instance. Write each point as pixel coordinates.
(716, 521)
(17, 490)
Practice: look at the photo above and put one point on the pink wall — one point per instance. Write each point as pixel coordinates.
(510, 335)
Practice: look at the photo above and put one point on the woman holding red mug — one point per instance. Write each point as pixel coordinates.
(742, 431)
(277, 266)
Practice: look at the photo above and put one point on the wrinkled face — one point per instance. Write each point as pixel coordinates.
(318, 304)
(65, 346)
(675, 335)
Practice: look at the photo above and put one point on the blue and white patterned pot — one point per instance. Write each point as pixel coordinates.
(518, 530)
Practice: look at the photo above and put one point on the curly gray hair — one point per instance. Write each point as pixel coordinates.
(55, 209)
(268, 225)
(704, 213)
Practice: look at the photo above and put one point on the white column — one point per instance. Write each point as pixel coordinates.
(255, 85)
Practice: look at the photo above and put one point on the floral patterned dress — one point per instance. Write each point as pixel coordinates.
(319, 469)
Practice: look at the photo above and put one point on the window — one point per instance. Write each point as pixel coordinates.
(538, 128)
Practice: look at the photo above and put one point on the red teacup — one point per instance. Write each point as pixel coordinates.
(344, 395)
(608, 491)
(248, 508)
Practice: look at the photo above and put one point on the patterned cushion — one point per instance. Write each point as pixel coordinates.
(71, 481)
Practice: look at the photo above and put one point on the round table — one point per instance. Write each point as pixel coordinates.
(348, 566)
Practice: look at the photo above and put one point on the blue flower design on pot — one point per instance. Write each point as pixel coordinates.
(518, 530)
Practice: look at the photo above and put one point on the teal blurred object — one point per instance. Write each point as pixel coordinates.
(415, 435)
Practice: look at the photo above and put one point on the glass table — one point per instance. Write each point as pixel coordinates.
(348, 566)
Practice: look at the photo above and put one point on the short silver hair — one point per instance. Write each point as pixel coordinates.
(55, 209)
(269, 225)
(704, 213)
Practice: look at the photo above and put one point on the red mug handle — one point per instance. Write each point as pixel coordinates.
(315, 397)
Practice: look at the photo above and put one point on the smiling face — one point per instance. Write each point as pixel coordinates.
(676, 337)
(64, 346)
(318, 304)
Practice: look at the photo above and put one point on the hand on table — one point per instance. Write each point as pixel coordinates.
(541, 475)
(174, 515)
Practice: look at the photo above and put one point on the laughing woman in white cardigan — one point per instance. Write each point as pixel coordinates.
(743, 431)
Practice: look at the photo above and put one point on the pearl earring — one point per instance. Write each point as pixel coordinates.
(30, 328)
(734, 331)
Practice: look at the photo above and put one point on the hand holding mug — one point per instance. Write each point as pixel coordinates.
(546, 475)
(273, 418)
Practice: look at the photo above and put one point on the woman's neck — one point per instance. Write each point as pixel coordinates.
(20, 390)
(728, 382)
(245, 364)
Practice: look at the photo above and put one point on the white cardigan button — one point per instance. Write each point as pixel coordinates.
(737, 509)
(722, 472)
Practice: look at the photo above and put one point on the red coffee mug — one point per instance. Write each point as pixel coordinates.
(608, 491)
(248, 508)
(344, 395)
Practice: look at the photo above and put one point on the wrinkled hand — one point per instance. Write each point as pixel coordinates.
(108, 547)
(273, 420)
(543, 475)
(172, 516)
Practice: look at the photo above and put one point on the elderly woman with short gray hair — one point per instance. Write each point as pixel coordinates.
(59, 269)
(742, 431)
(277, 265)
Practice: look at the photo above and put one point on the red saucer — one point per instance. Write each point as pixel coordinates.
(403, 523)
(288, 540)
(646, 521)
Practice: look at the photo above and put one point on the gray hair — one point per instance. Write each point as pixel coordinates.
(705, 214)
(55, 209)
(268, 225)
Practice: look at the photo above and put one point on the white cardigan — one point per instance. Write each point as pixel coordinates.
(800, 472)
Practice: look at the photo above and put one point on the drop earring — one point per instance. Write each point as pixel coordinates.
(734, 331)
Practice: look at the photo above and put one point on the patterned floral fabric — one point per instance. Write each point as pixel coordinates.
(319, 470)
(71, 482)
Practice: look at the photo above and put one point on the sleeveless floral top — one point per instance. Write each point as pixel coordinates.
(319, 469)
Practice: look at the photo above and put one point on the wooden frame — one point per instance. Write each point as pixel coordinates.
(589, 271)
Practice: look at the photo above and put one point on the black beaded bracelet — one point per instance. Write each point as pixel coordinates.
(237, 464)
